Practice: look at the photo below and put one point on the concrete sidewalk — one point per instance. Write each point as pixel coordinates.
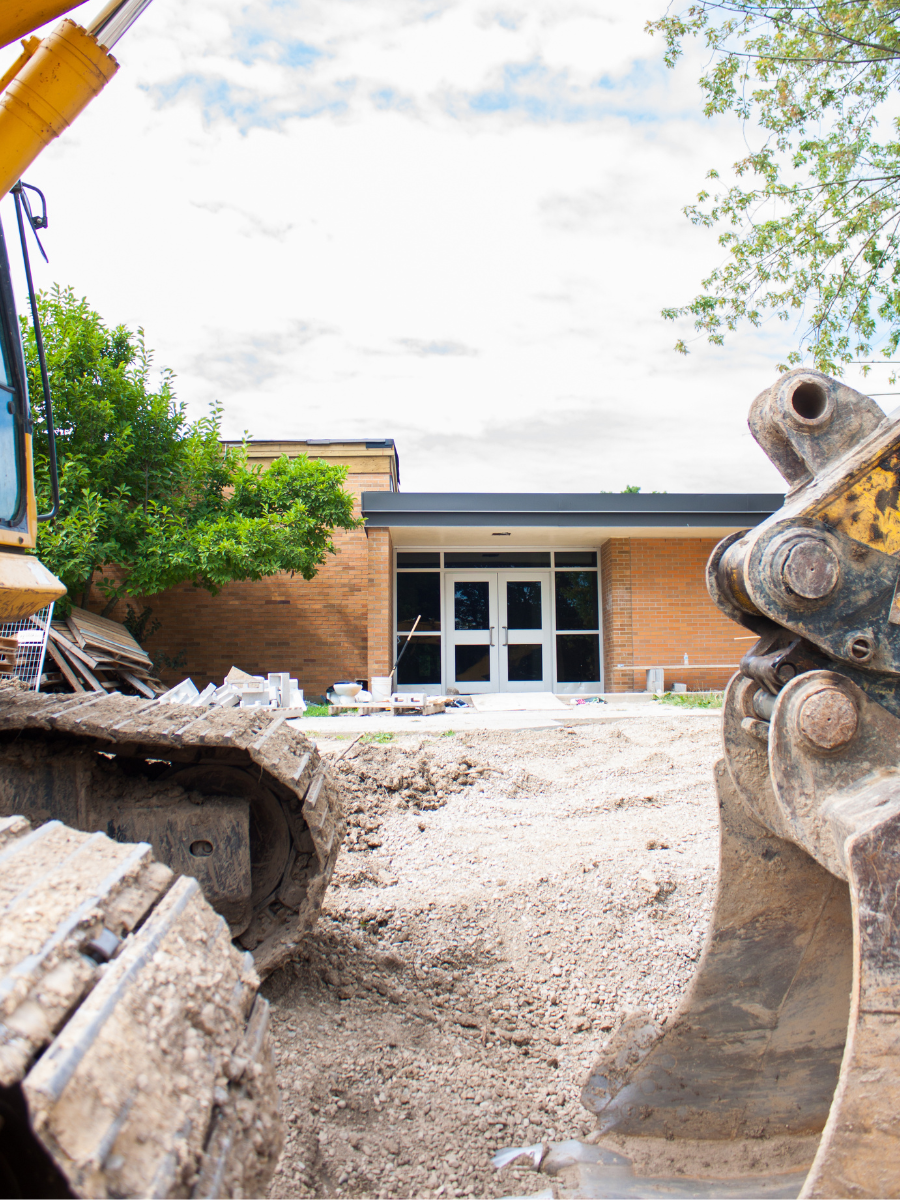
(458, 720)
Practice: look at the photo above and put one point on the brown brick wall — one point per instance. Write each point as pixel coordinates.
(656, 609)
(381, 603)
(615, 600)
(319, 630)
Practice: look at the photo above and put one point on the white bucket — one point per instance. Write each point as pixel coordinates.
(381, 687)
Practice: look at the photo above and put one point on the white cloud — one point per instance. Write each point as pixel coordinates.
(454, 223)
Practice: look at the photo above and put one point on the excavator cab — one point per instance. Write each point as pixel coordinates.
(25, 584)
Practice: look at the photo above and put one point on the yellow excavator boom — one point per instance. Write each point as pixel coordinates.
(24, 16)
(57, 79)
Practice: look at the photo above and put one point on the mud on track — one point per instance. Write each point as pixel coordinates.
(504, 899)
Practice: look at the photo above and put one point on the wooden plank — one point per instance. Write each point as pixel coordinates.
(60, 659)
(76, 633)
(137, 684)
(73, 657)
(112, 654)
(426, 709)
(101, 629)
(88, 675)
(76, 652)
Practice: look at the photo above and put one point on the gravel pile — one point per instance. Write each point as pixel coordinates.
(467, 967)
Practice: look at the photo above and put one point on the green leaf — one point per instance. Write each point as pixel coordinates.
(812, 222)
(149, 499)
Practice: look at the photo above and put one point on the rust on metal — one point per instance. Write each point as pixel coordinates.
(828, 719)
(790, 1033)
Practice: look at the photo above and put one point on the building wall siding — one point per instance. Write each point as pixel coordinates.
(615, 599)
(317, 629)
(381, 603)
(657, 609)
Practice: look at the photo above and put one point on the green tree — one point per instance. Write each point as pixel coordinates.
(811, 220)
(151, 494)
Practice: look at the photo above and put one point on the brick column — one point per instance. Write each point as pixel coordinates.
(616, 598)
(380, 602)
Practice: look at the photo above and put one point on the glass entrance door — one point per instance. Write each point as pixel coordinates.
(524, 607)
(498, 631)
(471, 632)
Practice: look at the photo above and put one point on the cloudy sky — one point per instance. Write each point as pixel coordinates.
(450, 222)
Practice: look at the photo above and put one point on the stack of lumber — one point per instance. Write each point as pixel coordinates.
(8, 648)
(94, 654)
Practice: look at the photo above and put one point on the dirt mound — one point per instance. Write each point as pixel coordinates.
(376, 778)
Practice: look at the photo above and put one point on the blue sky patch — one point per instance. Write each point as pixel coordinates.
(221, 100)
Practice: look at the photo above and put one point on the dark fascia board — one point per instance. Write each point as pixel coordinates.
(685, 509)
(370, 443)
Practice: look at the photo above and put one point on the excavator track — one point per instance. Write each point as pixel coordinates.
(134, 1054)
(235, 798)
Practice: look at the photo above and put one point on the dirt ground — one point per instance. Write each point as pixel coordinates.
(503, 901)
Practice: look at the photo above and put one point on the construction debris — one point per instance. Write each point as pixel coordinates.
(250, 691)
(8, 648)
(425, 707)
(95, 654)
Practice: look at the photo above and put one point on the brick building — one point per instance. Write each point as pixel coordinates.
(569, 592)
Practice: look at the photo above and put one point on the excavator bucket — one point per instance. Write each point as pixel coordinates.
(780, 1075)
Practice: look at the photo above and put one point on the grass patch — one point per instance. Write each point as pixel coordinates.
(692, 699)
(382, 738)
(316, 710)
(449, 733)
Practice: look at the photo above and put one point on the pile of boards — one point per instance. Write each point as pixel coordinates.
(8, 651)
(89, 653)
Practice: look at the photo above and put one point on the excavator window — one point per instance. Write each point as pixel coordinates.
(13, 402)
(9, 456)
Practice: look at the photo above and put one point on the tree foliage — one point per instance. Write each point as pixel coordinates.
(812, 222)
(151, 494)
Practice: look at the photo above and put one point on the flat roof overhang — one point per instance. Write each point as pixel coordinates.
(451, 517)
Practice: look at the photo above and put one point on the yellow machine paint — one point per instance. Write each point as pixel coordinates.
(42, 91)
(65, 72)
(18, 17)
(868, 509)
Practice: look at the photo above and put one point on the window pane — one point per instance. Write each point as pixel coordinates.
(578, 658)
(421, 559)
(576, 600)
(473, 664)
(526, 664)
(576, 558)
(510, 558)
(422, 661)
(523, 604)
(471, 604)
(9, 472)
(418, 594)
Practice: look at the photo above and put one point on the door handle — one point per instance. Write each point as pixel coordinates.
(492, 635)
(505, 635)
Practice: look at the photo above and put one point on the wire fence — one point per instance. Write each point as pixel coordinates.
(32, 645)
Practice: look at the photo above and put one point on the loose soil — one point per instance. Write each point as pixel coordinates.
(504, 900)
